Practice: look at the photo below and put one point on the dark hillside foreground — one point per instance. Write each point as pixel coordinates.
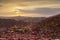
(48, 28)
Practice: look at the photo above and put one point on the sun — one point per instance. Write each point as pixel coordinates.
(18, 12)
(17, 9)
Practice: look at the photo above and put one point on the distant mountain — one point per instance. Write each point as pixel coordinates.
(50, 27)
(26, 19)
(7, 22)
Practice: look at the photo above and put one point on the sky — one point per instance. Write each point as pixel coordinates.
(29, 8)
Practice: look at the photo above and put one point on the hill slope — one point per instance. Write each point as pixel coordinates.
(50, 27)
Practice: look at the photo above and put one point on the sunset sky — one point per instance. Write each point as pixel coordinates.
(29, 8)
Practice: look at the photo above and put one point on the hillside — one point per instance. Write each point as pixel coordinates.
(46, 28)
(50, 27)
(8, 22)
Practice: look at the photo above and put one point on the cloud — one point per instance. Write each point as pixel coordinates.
(45, 11)
(29, 2)
(7, 1)
(1, 5)
(45, 7)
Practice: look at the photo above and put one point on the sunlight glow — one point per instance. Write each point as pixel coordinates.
(17, 9)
